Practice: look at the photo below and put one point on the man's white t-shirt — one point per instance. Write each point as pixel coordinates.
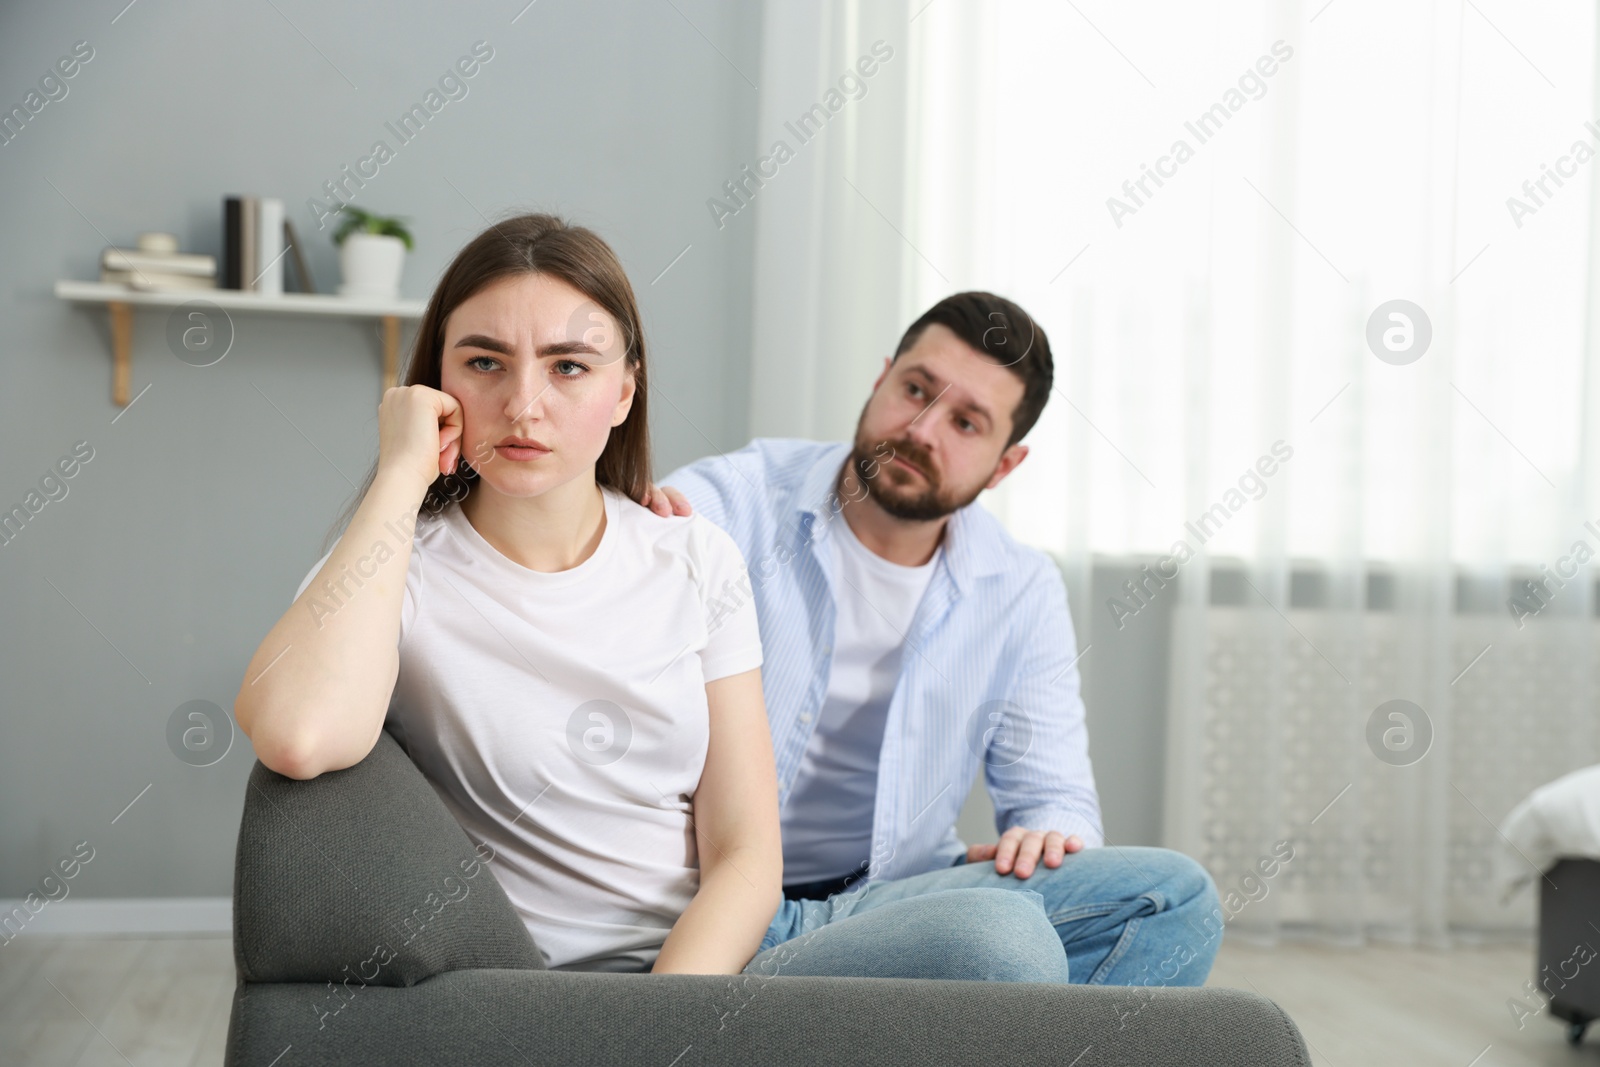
(827, 820)
(562, 717)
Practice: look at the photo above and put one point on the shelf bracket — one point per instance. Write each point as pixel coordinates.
(121, 351)
(121, 302)
(391, 350)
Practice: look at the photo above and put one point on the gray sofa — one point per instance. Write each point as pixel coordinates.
(366, 930)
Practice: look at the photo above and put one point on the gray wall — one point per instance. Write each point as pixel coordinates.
(183, 539)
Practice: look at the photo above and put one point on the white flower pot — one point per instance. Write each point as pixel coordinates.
(371, 264)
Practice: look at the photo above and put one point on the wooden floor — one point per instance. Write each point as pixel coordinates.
(1376, 1006)
(114, 1001)
(163, 1002)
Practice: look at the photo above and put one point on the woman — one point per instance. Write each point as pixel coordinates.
(574, 673)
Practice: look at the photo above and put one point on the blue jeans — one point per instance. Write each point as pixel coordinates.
(1117, 915)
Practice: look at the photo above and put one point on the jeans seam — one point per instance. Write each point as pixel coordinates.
(1090, 911)
(1130, 931)
(1082, 911)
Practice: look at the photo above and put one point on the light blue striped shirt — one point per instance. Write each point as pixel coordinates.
(988, 672)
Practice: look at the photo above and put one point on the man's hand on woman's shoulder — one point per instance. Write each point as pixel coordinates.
(665, 500)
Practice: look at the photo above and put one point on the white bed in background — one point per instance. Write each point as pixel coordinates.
(1558, 820)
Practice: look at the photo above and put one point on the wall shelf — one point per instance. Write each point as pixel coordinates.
(121, 300)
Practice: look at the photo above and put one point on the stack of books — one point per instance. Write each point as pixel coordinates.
(156, 264)
(256, 240)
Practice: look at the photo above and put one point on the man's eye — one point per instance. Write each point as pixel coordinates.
(914, 387)
(966, 424)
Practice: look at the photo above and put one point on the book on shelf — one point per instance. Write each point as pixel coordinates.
(133, 259)
(154, 281)
(269, 247)
(250, 220)
(232, 222)
(302, 269)
(155, 264)
(256, 238)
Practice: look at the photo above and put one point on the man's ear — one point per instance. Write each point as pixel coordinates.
(887, 363)
(1009, 459)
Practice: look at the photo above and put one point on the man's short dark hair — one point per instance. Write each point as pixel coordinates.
(999, 329)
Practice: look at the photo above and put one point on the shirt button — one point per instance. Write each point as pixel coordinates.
(805, 716)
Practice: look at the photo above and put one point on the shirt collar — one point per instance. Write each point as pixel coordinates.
(973, 542)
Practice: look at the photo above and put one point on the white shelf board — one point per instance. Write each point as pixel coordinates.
(235, 300)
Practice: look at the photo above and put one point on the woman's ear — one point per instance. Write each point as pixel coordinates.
(625, 402)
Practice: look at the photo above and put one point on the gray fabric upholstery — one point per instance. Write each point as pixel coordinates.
(364, 864)
(568, 1018)
(331, 867)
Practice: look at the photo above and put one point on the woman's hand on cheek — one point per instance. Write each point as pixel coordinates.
(451, 425)
(419, 432)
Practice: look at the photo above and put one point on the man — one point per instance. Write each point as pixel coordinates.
(916, 638)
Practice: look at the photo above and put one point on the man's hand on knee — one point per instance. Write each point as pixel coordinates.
(1019, 848)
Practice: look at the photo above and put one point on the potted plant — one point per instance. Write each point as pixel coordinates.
(372, 251)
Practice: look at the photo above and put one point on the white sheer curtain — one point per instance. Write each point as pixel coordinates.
(1355, 155)
(830, 283)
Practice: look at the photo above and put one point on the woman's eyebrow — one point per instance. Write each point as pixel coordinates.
(555, 348)
(479, 340)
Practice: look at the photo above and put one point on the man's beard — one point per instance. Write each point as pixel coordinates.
(909, 501)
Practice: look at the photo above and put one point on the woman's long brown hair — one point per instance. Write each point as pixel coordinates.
(533, 244)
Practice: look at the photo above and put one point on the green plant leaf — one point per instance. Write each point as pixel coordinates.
(353, 219)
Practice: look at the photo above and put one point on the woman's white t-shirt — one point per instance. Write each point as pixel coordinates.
(562, 717)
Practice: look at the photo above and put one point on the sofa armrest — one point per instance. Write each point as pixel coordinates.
(363, 874)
